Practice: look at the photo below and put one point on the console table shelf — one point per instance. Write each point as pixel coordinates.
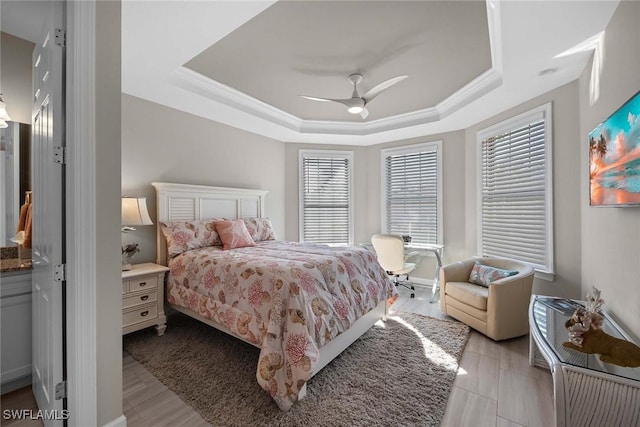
(587, 391)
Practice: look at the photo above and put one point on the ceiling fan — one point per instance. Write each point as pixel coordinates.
(357, 104)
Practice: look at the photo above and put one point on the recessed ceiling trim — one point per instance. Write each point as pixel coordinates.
(412, 118)
(494, 22)
(479, 86)
(517, 46)
(197, 83)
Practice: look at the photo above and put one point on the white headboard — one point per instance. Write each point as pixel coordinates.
(186, 202)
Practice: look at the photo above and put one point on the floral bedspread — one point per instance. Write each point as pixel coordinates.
(288, 298)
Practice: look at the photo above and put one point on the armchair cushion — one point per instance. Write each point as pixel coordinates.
(484, 275)
(473, 295)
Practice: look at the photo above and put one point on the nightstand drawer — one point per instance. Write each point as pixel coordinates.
(142, 283)
(133, 300)
(143, 297)
(138, 315)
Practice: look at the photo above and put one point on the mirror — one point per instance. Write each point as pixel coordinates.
(16, 86)
(15, 169)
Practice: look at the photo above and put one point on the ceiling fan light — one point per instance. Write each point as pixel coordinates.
(356, 109)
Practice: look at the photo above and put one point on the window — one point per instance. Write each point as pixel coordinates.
(412, 200)
(515, 190)
(326, 197)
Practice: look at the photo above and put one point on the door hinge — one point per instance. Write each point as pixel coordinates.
(61, 390)
(59, 273)
(61, 37)
(59, 155)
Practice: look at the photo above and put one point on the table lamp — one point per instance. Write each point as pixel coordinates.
(134, 212)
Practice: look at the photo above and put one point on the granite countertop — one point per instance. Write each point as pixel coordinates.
(9, 260)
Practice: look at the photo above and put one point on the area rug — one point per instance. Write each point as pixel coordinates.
(400, 372)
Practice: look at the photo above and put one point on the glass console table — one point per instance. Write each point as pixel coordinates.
(587, 391)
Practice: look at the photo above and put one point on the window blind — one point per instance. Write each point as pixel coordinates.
(326, 195)
(513, 196)
(412, 195)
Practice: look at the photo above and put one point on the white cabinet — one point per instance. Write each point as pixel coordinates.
(143, 298)
(15, 334)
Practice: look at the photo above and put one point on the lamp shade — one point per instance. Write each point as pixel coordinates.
(3, 111)
(134, 211)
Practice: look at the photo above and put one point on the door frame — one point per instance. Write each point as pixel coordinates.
(81, 268)
(81, 201)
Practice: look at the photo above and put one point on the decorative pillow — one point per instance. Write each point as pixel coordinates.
(260, 229)
(234, 234)
(185, 235)
(483, 275)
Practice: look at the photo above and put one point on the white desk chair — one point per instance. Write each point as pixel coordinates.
(390, 252)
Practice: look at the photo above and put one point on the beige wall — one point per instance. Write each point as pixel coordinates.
(16, 77)
(566, 187)
(163, 144)
(611, 236)
(107, 170)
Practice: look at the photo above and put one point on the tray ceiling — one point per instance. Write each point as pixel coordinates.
(245, 63)
(310, 48)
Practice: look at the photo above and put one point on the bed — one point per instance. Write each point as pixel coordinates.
(301, 304)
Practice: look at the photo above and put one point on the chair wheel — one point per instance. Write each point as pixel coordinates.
(413, 295)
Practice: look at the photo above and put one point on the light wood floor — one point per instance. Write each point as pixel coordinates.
(495, 385)
(19, 400)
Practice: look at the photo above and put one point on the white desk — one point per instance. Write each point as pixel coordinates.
(424, 250)
(437, 251)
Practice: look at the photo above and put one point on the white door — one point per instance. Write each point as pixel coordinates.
(48, 215)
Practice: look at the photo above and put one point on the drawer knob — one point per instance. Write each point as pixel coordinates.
(144, 313)
(144, 297)
(142, 284)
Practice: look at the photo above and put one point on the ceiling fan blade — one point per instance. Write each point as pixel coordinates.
(349, 102)
(313, 98)
(372, 93)
(364, 113)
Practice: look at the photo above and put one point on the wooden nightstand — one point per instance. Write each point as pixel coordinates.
(143, 298)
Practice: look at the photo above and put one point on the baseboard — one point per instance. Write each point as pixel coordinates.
(421, 282)
(121, 421)
(15, 384)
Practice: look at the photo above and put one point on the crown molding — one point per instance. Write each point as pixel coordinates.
(215, 93)
(213, 90)
(187, 90)
(481, 85)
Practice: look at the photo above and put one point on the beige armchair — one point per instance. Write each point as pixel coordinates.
(499, 310)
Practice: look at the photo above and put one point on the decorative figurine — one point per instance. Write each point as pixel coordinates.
(128, 251)
(586, 335)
